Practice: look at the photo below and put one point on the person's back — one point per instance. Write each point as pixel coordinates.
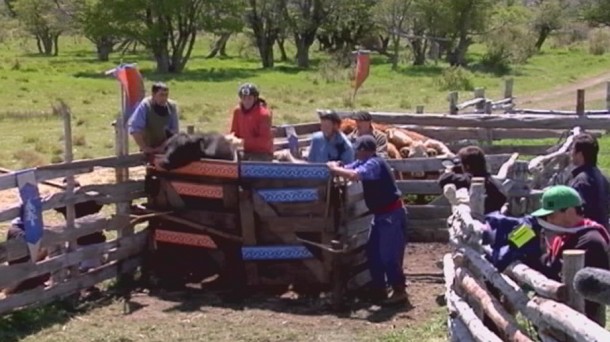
(593, 187)
(330, 144)
(494, 198)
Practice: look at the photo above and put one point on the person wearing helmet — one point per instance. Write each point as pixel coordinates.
(387, 240)
(252, 123)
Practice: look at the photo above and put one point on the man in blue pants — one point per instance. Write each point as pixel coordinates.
(387, 240)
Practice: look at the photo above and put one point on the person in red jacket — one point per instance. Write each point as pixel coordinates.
(252, 123)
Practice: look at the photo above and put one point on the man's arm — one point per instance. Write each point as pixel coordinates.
(382, 143)
(583, 188)
(370, 170)
(174, 121)
(136, 125)
(348, 155)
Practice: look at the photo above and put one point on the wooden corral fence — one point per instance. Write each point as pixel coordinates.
(483, 302)
(427, 222)
(121, 256)
(293, 224)
(480, 104)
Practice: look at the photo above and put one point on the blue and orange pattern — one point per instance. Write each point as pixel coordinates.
(294, 252)
(289, 195)
(286, 171)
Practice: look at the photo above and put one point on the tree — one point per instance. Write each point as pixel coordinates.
(228, 20)
(463, 19)
(393, 17)
(97, 23)
(264, 18)
(597, 12)
(168, 28)
(45, 20)
(549, 15)
(303, 19)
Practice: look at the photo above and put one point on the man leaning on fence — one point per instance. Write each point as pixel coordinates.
(154, 121)
(387, 241)
(364, 126)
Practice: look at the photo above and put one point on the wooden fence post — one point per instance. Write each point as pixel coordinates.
(419, 109)
(488, 107)
(479, 93)
(453, 102)
(477, 197)
(580, 102)
(68, 158)
(190, 129)
(573, 261)
(608, 96)
(122, 175)
(508, 88)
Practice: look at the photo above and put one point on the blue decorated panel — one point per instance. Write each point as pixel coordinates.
(289, 195)
(284, 170)
(275, 252)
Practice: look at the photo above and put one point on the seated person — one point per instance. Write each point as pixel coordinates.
(471, 164)
(330, 144)
(364, 126)
(17, 231)
(564, 227)
(559, 225)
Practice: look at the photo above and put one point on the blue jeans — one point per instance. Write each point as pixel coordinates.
(386, 248)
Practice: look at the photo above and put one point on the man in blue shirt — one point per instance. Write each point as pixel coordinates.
(330, 144)
(154, 121)
(387, 240)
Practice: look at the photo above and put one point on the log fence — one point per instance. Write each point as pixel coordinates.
(473, 284)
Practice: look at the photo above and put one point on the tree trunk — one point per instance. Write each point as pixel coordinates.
(162, 58)
(543, 34)
(419, 51)
(303, 43)
(55, 44)
(266, 52)
(457, 56)
(395, 51)
(104, 47)
(46, 44)
(220, 46)
(280, 45)
(39, 45)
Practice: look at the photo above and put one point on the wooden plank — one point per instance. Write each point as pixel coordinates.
(282, 143)
(248, 232)
(431, 187)
(284, 170)
(494, 162)
(15, 249)
(218, 220)
(103, 194)
(296, 252)
(358, 225)
(428, 211)
(294, 224)
(41, 296)
(13, 274)
(289, 195)
(185, 239)
(308, 209)
(197, 190)
(356, 209)
(300, 129)
(54, 171)
(526, 150)
(506, 121)
(451, 134)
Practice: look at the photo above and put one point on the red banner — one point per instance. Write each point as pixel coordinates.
(362, 69)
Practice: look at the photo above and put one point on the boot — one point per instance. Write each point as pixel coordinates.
(398, 297)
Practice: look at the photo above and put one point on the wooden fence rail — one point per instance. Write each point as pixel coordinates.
(555, 308)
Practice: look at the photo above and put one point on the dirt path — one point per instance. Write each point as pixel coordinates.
(564, 97)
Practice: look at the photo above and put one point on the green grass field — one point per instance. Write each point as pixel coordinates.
(207, 91)
(31, 135)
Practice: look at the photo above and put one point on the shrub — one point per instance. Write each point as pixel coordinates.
(454, 78)
(598, 41)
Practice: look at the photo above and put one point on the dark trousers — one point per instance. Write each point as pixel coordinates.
(386, 249)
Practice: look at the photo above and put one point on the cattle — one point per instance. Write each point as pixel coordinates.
(183, 148)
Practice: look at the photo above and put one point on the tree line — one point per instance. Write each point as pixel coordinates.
(511, 30)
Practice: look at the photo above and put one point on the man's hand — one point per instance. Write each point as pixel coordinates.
(333, 165)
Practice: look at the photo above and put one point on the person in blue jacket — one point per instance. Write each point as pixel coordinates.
(330, 144)
(387, 241)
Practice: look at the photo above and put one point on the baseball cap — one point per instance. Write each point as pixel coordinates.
(365, 143)
(557, 198)
(362, 116)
